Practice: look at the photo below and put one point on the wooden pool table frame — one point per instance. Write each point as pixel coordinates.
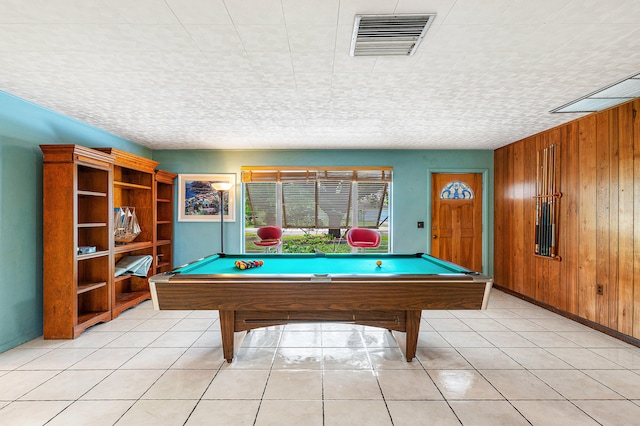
(246, 302)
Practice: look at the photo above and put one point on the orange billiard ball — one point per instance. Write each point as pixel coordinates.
(379, 263)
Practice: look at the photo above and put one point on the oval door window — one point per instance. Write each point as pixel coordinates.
(456, 191)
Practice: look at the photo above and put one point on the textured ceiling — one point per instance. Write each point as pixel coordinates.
(276, 74)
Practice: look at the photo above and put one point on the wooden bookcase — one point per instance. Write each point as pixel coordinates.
(163, 226)
(81, 188)
(133, 186)
(77, 211)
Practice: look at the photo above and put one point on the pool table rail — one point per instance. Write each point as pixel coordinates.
(302, 294)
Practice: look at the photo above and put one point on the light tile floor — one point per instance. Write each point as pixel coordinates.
(512, 364)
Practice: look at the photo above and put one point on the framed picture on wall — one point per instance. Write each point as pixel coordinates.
(198, 201)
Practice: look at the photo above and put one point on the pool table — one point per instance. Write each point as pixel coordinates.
(321, 287)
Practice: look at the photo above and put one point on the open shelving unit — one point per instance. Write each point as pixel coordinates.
(81, 189)
(163, 227)
(77, 209)
(133, 186)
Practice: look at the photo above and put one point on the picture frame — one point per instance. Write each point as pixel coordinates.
(199, 202)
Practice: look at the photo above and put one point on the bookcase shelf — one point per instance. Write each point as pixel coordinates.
(135, 246)
(83, 288)
(86, 256)
(131, 185)
(91, 193)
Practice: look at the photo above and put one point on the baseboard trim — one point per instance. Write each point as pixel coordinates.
(599, 327)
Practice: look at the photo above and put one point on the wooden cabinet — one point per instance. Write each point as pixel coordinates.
(78, 260)
(133, 186)
(81, 189)
(163, 226)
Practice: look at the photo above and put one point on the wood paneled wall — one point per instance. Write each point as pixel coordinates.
(598, 236)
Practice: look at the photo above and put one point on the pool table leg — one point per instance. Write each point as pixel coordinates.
(227, 327)
(413, 327)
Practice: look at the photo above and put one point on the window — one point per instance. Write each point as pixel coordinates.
(317, 204)
(456, 191)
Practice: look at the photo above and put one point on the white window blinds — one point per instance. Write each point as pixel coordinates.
(319, 197)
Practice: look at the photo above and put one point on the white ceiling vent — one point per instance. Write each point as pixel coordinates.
(385, 35)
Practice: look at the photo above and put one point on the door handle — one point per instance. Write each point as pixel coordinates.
(435, 237)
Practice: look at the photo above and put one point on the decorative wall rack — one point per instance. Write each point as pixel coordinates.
(547, 196)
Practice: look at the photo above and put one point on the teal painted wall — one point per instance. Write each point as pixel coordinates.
(23, 127)
(410, 196)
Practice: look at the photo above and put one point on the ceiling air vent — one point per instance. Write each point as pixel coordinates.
(385, 35)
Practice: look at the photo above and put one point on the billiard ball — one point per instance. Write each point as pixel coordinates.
(379, 263)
